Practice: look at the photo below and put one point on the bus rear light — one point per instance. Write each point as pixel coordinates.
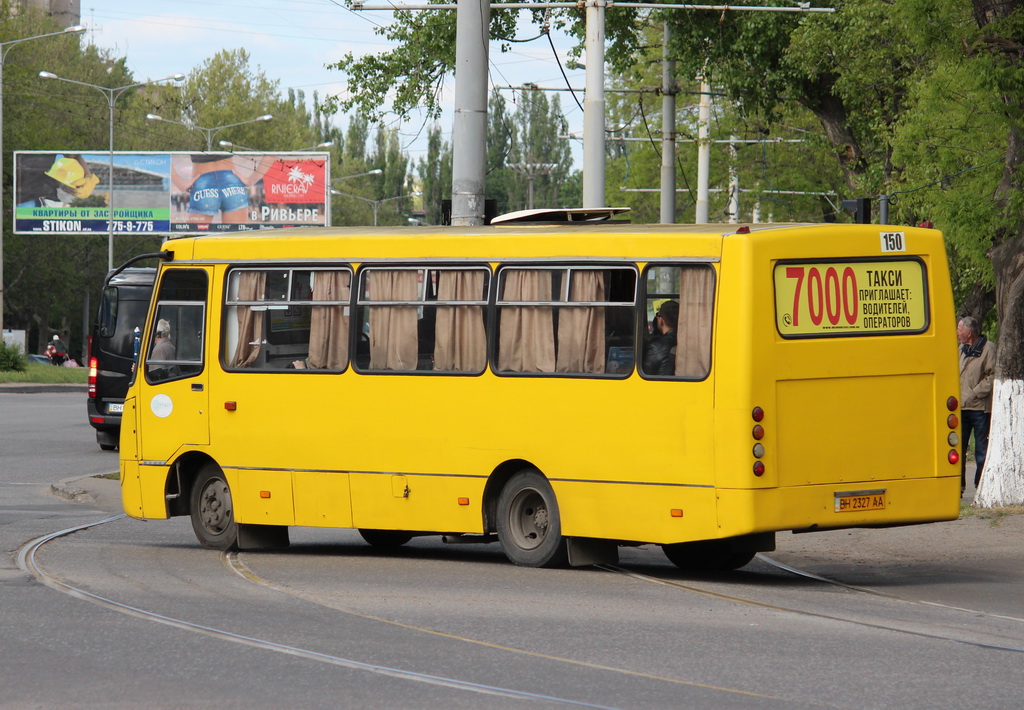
(952, 422)
(954, 456)
(94, 367)
(758, 432)
(757, 414)
(759, 468)
(952, 404)
(758, 450)
(953, 439)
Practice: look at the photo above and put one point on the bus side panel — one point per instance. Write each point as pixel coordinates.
(383, 501)
(131, 483)
(646, 513)
(262, 497)
(322, 499)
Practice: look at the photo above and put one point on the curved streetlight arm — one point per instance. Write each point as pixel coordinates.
(73, 30)
(375, 171)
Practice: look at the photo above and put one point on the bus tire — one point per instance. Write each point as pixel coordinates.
(212, 511)
(707, 556)
(529, 527)
(385, 539)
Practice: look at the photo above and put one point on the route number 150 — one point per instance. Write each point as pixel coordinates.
(893, 241)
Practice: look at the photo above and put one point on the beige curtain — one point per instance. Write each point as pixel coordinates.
(460, 342)
(251, 287)
(328, 330)
(696, 307)
(581, 330)
(526, 340)
(393, 341)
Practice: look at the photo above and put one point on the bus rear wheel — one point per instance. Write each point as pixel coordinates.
(529, 527)
(707, 555)
(385, 539)
(213, 514)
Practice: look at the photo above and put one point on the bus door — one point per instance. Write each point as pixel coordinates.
(174, 408)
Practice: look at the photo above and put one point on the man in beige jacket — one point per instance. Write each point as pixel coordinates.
(977, 368)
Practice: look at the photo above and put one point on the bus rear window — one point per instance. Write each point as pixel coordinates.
(817, 299)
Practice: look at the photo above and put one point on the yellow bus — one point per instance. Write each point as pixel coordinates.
(561, 388)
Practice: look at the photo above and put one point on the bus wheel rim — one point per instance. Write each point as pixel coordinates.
(215, 506)
(529, 519)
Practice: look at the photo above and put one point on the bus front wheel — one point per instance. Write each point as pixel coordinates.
(213, 515)
(528, 524)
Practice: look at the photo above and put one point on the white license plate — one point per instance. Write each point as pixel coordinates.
(115, 408)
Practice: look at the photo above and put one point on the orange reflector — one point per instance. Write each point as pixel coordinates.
(676, 512)
(231, 406)
(463, 501)
(954, 457)
(264, 494)
(952, 422)
(758, 432)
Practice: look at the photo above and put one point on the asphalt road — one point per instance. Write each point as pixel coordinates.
(136, 614)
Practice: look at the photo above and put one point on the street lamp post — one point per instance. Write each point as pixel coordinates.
(112, 94)
(6, 47)
(208, 132)
(374, 203)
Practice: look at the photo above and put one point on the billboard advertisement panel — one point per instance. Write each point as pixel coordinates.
(169, 193)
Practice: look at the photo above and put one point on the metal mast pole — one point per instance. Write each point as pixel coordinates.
(703, 152)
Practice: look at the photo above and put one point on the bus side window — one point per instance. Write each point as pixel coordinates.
(287, 319)
(423, 319)
(570, 320)
(177, 334)
(679, 304)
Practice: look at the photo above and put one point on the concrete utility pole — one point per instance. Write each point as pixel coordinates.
(668, 131)
(469, 132)
(593, 108)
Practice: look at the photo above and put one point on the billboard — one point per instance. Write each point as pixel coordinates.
(169, 193)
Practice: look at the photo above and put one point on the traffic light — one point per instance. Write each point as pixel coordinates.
(861, 208)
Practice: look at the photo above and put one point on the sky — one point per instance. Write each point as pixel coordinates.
(292, 41)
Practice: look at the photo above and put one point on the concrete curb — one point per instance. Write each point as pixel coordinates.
(40, 388)
(80, 489)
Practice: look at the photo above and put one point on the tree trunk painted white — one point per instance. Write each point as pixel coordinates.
(1002, 481)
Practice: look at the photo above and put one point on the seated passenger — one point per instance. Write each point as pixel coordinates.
(163, 349)
(660, 353)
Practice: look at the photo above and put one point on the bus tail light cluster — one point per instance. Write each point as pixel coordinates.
(758, 433)
(93, 371)
(952, 422)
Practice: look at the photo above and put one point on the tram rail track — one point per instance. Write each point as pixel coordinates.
(28, 562)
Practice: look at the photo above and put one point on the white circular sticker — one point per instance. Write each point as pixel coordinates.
(162, 406)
